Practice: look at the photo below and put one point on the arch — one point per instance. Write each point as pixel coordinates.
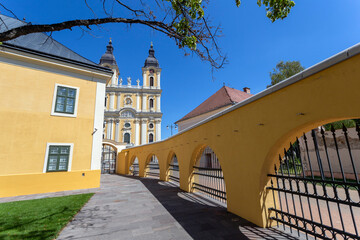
(152, 168)
(207, 176)
(107, 142)
(126, 137)
(323, 159)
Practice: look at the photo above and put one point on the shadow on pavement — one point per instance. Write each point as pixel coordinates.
(203, 220)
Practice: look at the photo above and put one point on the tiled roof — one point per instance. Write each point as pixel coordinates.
(224, 97)
(39, 42)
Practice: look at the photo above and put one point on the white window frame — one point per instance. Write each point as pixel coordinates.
(71, 145)
(53, 113)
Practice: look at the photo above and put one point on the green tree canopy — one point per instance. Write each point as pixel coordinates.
(284, 70)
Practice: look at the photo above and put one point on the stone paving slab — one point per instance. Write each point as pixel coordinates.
(140, 208)
(127, 207)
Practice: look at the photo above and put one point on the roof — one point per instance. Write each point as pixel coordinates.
(151, 60)
(223, 97)
(108, 57)
(40, 42)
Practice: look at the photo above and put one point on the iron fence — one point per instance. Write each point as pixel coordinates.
(210, 181)
(309, 193)
(208, 176)
(174, 172)
(152, 169)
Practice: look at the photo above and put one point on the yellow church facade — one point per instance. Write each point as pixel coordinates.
(51, 118)
(132, 111)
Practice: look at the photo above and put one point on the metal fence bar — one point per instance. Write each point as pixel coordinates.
(336, 201)
(208, 176)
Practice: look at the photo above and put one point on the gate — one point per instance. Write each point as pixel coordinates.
(108, 159)
(316, 187)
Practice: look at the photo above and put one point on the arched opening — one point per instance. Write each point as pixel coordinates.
(151, 81)
(108, 159)
(208, 178)
(134, 167)
(152, 168)
(174, 169)
(151, 138)
(151, 103)
(315, 183)
(126, 137)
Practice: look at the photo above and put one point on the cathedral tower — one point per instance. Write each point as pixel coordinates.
(132, 112)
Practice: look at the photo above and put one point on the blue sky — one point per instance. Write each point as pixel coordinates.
(314, 31)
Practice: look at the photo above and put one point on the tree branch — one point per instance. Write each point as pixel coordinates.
(27, 29)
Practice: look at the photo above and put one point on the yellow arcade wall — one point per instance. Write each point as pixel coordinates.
(26, 96)
(248, 139)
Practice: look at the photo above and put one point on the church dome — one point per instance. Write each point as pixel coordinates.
(108, 57)
(151, 61)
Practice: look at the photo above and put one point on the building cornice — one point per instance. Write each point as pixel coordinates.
(133, 90)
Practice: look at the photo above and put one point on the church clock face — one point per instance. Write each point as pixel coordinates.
(151, 70)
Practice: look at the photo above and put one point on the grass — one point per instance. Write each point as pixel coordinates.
(40, 218)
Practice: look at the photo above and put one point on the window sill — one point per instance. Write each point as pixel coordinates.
(63, 115)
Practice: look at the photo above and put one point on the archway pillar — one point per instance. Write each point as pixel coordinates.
(163, 165)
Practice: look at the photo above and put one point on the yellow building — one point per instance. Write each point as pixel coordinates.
(132, 112)
(51, 116)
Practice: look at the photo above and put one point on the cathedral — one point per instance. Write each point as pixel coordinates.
(132, 112)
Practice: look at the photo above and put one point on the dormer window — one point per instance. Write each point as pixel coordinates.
(151, 81)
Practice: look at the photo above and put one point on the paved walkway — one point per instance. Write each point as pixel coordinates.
(142, 208)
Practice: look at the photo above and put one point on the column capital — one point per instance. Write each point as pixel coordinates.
(143, 121)
(112, 93)
(157, 120)
(118, 93)
(136, 121)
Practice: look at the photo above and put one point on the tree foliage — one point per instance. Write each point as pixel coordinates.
(185, 21)
(284, 70)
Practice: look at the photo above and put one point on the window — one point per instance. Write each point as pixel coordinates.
(151, 138)
(151, 103)
(106, 100)
(151, 70)
(65, 101)
(127, 138)
(58, 157)
(151, 125)
(151, 81)
(127, 125)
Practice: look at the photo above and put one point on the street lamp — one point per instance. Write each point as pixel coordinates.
(171, 126)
